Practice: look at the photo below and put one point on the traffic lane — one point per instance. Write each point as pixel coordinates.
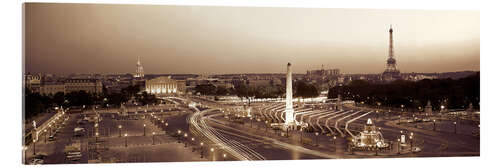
(265, 148)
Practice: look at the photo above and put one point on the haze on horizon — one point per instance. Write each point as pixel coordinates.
(98, 38)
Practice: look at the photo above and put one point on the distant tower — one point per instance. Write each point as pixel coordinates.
(139, 71)
(391, 72)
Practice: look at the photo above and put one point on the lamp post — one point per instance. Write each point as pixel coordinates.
(224, 157)
(251, 121)
(455, 123)
(316, 138)
(266, 126)
(301, 133)
(411, 142)
(34, 146)
(434, 125)
(185, 139)
(25, 156)
(213, 154)
(201, 149)
(45, 135)
(154, 138)
(334, 138)
(144, 125)
(120, 130)
(398, 146)
(96, 135)
(179, 136)
(125, 139)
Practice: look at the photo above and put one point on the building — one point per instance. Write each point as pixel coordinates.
(323, 72)
(139, 71)
(51, 88)
(391, 72)
(165, 86)
(32, 82)
(87, 85)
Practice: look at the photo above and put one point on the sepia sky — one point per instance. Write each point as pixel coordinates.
(88, 38)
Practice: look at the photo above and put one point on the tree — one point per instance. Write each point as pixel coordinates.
(146, 98)
(221, 91)
(206, 89)
(245, 91)
(452, 93)
(33, 104)
(79, 98)
(305, 90)
(58, 98)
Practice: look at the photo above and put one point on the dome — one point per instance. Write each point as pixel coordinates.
(391, 61)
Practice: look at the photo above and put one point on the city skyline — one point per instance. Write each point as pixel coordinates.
(222, 40)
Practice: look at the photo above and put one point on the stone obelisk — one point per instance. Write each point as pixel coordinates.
(289, 104)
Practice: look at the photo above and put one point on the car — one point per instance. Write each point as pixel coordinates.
(74, 156)
(35, 161)
(38, 159)
(416, 149)
(52, 138)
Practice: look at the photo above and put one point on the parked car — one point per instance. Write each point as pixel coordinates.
(72, 152)
(38, 159)
(79, 131)
(52, 138)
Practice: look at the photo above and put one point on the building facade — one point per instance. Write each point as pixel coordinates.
(32, 82)
(52, 89)
(87, 85)
(165, 86)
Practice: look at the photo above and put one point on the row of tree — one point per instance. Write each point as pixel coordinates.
(247, 91)
(36, 103)
(454, 94)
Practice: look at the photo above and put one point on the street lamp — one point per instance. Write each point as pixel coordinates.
(455, 123)
(25, 156)
(334, 138)
(96, 135)
(434, 125)
(201, 149)
(45, 134)
(179, 136)
(213, 154)
(301, 133)
(144, 125)
(251, 122)
(154, 138)
(317, 138)
(411, 142)
(126, 139)
(185, 139)
(398, 146)
(224, 156)
(120, 130)
(266, 126)
(34, 146)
